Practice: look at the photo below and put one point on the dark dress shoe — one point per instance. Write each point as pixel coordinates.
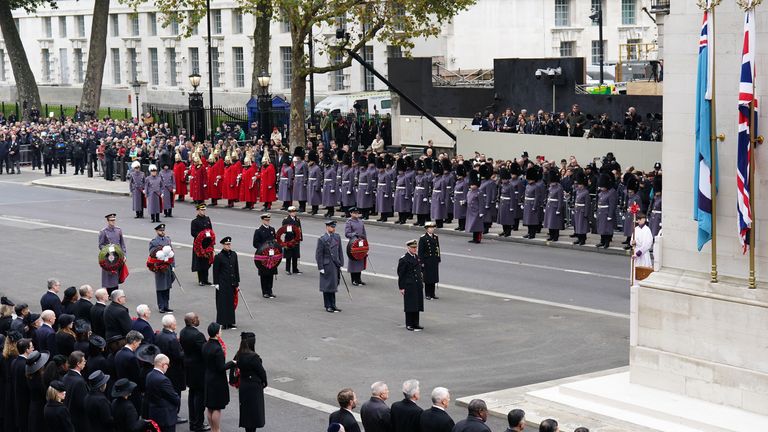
(272, 296)
(435, 298)
(181, 420)
(297, 272)
(428, 298)
(335, 309)
(354, 283)
(361, 283)
(168, 310)
(599, 245)
(202, 283)
(409, 328)
(265, 295)
(329, 310)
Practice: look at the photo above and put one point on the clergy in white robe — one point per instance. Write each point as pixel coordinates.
(643, 243)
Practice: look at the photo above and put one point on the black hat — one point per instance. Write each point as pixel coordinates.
(226, 240)
(380, 163)
(30, 318)
(147, 353)
(409, 163)
(371, 158)
(327, 159)
(58, 385)
(6, 302)
(485, 171)
(213, 329)
(123, 387)
(461, 171)
(200, 207)
(330, 223)
(419, 165)
(514, 169)
(604, 181)
(70, 293)
(36, 361)
(97, 341)
(632, 184)
(160, 227)
(299, 151)
(82, 326)
(524, 155)
(354, 210)
(66, 319)
(389, 159)
(111, 215)
(579, 178)
(20, 307)
(346, 159)
(115, 338)
(15, 335)
(97, 379)
(446, 163)
(532, 174)
(505, 174)
(400, 164)
(474, 178)
(553, 175)
(428, 164)
(247, 335)
(286, 159)
(657, 184)
(313, 156)
(657, 166)
(437, 169)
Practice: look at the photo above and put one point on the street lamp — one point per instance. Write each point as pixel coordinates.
(136, 85)
(553, 74)
(265, 104)
(597, 17)
(196, 108)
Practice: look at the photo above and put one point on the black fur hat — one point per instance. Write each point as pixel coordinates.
(505, 174)
(313, 156)
(553, 176)
(380, 163)
(474, 178)
(401, 164)
(299, 151)
(633, 184)
(657, 184)
(515, 169)
(532, 174)
(327, 159)
(437, 169)
(286, 159)
(346, 159)
(485, 171)
(409, 163)
(428, 164)
(371, 158)
(579, 178)
(604, 181)
(419, 165)
(389, 160)
(461, 171)
(446, 165)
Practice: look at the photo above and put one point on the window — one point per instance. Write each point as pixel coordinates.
(286, 57)
(394, 51)
(341, 22)
(566, 48)
(285, 25)
(562, 13)
(216, 21)
(116, 66)
(114, 23)
(215, 66)
(367, 75)
(80, 25)
(338, 75)
(239, 63)
(597, 5)
(174, 27)
(133, 63)
(47, 27)
(2, 65)
(194, 60)
(135, 30)
(170, 56)
(192, 26)
(628, 12)
(152, 23)
(46, 55)
(633, 49)
(237, 21)
(399, 18)
(63, 66)
(596, 51)
(62, 26)
(153, 69)
(79, 69)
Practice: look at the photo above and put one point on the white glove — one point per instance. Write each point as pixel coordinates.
(425, 200)
(462, 202)
(349, 193)
(333, 191)
(322, 271)
(481, 215)
(191, 177)
(610, 218)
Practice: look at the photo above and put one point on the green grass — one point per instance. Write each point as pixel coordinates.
(69, 111)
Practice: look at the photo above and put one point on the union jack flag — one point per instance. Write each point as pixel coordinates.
(746, 99)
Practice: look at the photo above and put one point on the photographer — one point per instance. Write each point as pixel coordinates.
(631, 121)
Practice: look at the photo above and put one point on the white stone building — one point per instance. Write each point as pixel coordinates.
(139, 48)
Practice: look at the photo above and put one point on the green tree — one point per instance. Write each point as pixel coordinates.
(26, 86)
(395, 22)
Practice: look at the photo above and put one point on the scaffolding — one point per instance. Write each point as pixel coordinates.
(443, 77)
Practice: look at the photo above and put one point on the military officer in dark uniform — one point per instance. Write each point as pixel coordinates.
(292, 255)
(532, 204)
(582, 208)
(554, 209)
(330, 258)
(429, 255)
(632, 198)
(200, 265)
(163, 279)
(654, 220)
(410, 283)
(111, 234)
(606, 209)
(226, 279)
(264, 234)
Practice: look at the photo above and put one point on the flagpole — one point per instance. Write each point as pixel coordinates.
(752, 189)
(713, 148)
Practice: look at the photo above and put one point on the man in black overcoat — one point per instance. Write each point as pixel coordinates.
(264, 234)
(200, 265)
(97, 405)
(292, 255)
(226, 279)
(429, 255)
(347, 402)
(192, 341)
(168, 342)
(77, 390)
(127, 364)
(405, 414)
(435, 419)
(475, 421)
(375, 413)
(117, 319)
(410, 283)
(162, 399)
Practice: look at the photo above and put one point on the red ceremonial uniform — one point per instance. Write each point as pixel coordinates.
(249, 185)
(232, 188)
(215, 179)
(181, 181)
(268, 180)
(197, 181)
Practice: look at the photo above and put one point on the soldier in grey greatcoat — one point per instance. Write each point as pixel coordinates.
(285, 182)
(330, 188)
(582, 208)
(460, 197)
(507, 207)
(314, 182)
(153, 189)
(347, 190)
(474, 223)
(421, 195)
(438, 198)
(330, 258)
(354, 229)
(488, 191)
(606, 209)
(541, 199)
(136, 186)
(654, 220)
(163, 279)
(403, 200)
(385, 199)
(300, 174)
(111, 234)
(169, 187)
(518, 195)
(554, 210)
(633, 198)
(366, 185)
(450, 183)
(532, 207)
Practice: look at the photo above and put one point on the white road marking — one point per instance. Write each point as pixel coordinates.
(301, 400)
(468, 290)
(464, 256)
(51, 201)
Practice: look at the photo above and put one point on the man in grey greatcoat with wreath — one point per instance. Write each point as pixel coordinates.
(330, 258)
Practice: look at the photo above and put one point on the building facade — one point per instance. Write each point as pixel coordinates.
(139, 48)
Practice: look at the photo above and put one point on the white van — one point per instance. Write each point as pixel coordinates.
(369, 102)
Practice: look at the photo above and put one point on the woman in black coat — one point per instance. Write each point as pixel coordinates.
(124, 414)
(253, 379)
(37, 390)
(216, 386)
(65, 337)
(55, 414)
(9, 355)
